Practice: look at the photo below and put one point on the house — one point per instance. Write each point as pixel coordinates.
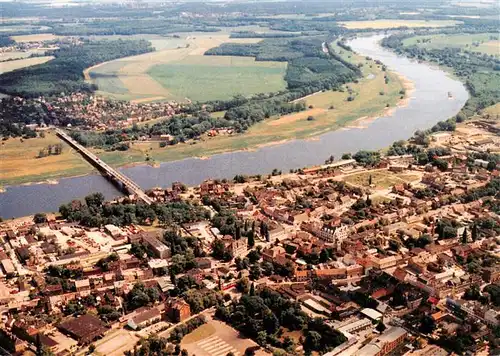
(84, 329)
(147, 317)
(236, 248)
(270, 254)
(385, 343)
(155, 245)
(178, 310)
(82, 285)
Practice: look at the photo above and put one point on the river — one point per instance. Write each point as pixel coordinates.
(429, 104)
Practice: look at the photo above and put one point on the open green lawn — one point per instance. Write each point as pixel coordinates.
(483, 42)
(203, 78)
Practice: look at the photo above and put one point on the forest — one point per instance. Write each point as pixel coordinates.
(65, 72)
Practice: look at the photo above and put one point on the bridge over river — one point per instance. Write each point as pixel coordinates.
(119, 179)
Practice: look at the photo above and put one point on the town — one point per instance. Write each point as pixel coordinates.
(368, 255)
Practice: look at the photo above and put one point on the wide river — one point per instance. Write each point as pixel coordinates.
(429, 104)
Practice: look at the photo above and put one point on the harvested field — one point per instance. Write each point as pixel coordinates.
(9, 66)
(19, 54)
(20, 165)
(35, 38)
(380, 24)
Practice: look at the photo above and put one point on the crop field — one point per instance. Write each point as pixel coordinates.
(203, 78)
(9, 66)
(35, 37)
(484, 42)
(20, 165)
(7, 56)
(380, 24)
(330, 111)
(128, 78)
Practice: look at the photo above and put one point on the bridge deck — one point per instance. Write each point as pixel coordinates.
(128, 184)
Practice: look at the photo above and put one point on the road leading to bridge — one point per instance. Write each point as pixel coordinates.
(125, 183)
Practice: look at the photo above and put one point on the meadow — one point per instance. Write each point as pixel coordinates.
(483, 42)
(21, 165)
(381, 24)
(204, 78)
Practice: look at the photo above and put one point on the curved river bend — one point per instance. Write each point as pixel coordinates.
(429, 104)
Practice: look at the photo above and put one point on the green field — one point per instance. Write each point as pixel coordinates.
(203, 78)
(483, 42)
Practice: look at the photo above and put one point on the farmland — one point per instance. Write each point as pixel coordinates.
(20, 165)
(484, 42)
(204, 78)
(128, 78)
(9, 66)
(380, 24)
(35, 37)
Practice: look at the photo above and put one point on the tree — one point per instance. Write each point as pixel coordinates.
(313, 340)
(255, 272)
(380, 326)
(91, 348)
(261, 338)
(243, 285)
(252, 289)
(464, 236)
(40, 218)
(250, 351)
(427, 324)
(474, 232)
(370, 180)
(251, 239)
